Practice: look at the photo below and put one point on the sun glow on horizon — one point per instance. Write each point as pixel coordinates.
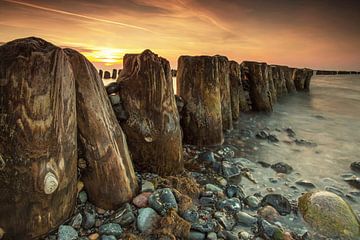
(105, 56)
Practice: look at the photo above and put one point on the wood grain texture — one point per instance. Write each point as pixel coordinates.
(109, 179)
(259, 87)
(224, 70)
(235, 88)
(153, 127)
(198, 84)
(37, 138)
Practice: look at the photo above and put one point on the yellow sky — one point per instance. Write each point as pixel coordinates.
(285, 32)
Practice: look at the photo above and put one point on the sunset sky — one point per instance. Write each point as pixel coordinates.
(320, 34)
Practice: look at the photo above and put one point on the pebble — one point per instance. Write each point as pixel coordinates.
(234, 191)
(111, 229)
(231, 205)
(252, 201)
(163, 200)
(268, 213)
(208, 157)
(83, 197)
(227, 221)
(211, 236)
(282, 167)
(114, 99)
(147, 219)
(245, 219)
(190, 215)
(262, 134)
(142, 200)
(193, 235)
(123, 216)
(245, 235)
(108, 237)
(277, 201)
(89, 219)
(147, 186)
(353, 181)
(213, 188)
(93, 236)
(67, 233)
(76, 221)
(229, 235)
(80, 186)
(355, 166)
(305, 183)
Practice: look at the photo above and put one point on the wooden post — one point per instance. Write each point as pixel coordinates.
(279, 80)
(235, 85)
(223, 65)
(198, 84)
(245, 100)
(302, 79)
(290, 80)
(153, 127)
(309, 74)
(38, 144)
(259, 88)
(109, 178)
(272, 87)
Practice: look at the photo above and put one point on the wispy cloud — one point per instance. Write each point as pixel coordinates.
(77, 15)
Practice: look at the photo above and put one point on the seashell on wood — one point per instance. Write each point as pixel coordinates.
(50, 183)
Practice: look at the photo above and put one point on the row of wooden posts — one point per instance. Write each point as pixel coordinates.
(53, 106)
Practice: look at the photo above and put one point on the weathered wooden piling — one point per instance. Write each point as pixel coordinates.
(223, 65)
(235, 85)
(114, 74)
(289, 76)
(153, 127)
(38, 143)
(198, 84)
(259, 87)
(109, 177)
(302, 78)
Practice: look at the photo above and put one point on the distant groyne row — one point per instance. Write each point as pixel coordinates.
(326, 72)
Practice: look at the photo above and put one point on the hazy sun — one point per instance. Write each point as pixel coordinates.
(107, 56)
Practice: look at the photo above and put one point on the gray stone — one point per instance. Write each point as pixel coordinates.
(67, 233)
(252, 201)
(226, 220)
(204, 223)
(207, 157)
(234, 191)
(245, 219)
(76, 221)
(114, 99)
(111, 229)
(355, 166)
(231, 205)
(83, 197)
(123, 216)
(163, 200)
(211, 236)
(229, 235)
(212, 188)
(108, 237)
(147, 186)
(193, 235)
(229, 170)
(207, 201)
(146, 219)
(305, 184)
(190, 215)
(89, 218)
(282, 167)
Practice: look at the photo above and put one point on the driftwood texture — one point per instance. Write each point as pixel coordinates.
(279, 81)
(302, 78)
(153, 127)
(235, 85)
(198, 84)
(259, 87)
(223, 65)
(272, 87)
(109, 178)
(38, 145)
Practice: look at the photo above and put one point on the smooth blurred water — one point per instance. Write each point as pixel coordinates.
(329, 116)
